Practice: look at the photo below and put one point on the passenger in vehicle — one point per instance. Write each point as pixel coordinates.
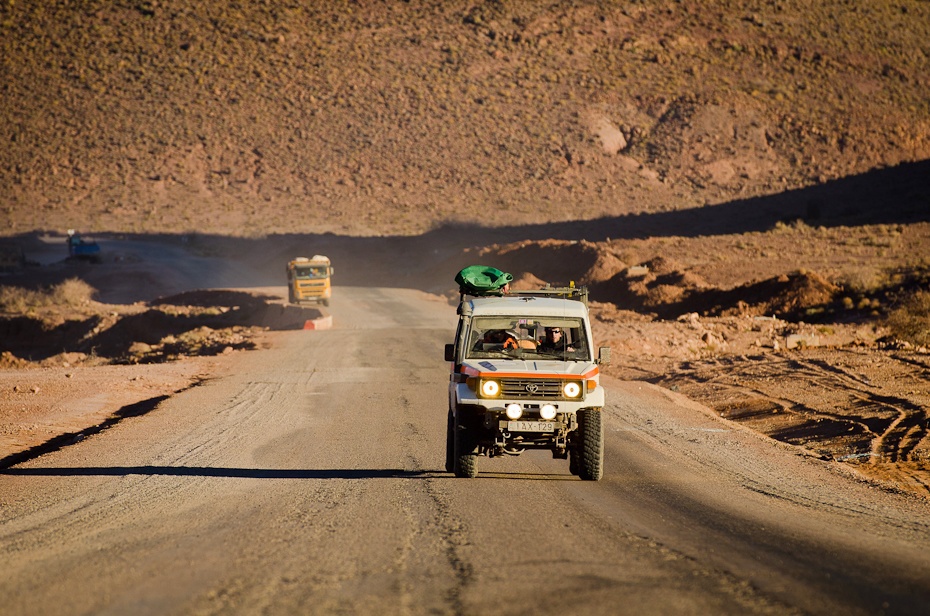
(503, 339)
(493, 338)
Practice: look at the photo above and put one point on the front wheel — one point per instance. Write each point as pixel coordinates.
(591, 447)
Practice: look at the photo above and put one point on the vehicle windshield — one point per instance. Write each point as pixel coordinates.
(555, 338)
(304, 273)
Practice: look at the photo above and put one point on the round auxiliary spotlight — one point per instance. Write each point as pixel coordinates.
(547, 411)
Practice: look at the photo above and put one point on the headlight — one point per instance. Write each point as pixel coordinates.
(571, 389)
(547, 411)
(514, 411)
(490, 389)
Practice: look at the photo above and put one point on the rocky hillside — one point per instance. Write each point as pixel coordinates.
(366, 118)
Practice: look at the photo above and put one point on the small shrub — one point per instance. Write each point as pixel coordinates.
(16, 299)
(911, 320)
(71, 292)
(866, 280)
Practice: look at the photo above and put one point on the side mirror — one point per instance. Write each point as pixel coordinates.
(603, 355)
(450, 352)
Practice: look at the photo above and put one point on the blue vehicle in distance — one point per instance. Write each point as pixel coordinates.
(82, 249)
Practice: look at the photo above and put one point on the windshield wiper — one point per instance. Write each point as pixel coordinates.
(489, 354)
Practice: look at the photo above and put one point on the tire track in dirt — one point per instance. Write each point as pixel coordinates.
(902, 434)
(830, 404)
(452, 533)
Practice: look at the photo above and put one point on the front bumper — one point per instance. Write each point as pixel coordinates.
(466, 397)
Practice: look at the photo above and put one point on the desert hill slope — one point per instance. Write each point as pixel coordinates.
(370, 118)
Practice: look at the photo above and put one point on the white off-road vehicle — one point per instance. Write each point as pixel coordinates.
(524, 376)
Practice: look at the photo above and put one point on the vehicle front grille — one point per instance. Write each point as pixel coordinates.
(311, 288)
(531, 388)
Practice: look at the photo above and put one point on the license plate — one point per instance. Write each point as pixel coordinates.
(531, 426)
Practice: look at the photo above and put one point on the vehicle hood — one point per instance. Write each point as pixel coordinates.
(529, 368)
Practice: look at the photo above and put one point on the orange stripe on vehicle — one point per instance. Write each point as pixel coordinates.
(469, 371)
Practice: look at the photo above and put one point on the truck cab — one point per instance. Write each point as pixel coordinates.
(81, 248)
(524, 375)
(309, 280)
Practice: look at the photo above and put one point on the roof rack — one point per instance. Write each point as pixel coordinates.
(570, 292)
(463, 293)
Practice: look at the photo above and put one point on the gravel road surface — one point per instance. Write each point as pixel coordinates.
(308, 479)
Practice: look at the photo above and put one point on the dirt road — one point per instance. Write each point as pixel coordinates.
(309, 479)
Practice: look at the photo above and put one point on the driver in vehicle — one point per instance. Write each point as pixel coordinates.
(553, 342)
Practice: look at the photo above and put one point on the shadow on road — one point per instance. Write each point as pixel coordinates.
(528, 476)
(206, 471)
(262, 473)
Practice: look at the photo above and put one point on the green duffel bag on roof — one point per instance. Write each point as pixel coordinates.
(482, 280)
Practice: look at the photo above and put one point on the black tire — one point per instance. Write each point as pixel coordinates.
(591, 445)
(326, 303)
(450, 443)
(466, 452)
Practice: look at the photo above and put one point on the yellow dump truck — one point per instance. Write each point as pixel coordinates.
(309, 280)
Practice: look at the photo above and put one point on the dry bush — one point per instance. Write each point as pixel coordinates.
(866, 280)
(911, 320)
(70, 293)
(16, 299)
